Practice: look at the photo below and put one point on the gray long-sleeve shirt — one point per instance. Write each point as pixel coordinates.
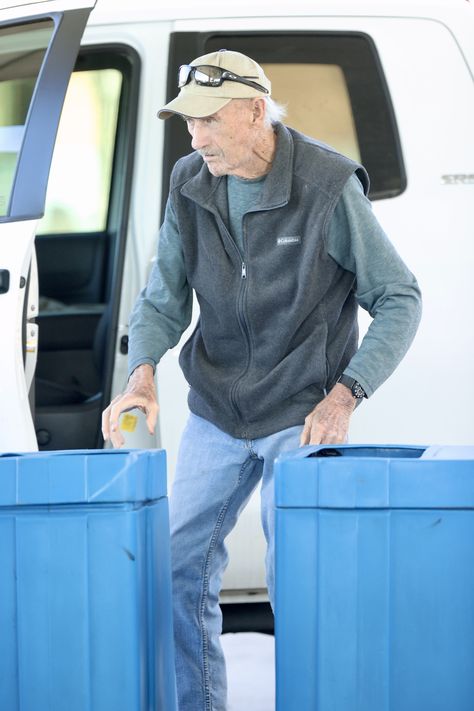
(355, 241)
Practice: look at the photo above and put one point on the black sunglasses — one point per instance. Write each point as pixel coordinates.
(207, 75)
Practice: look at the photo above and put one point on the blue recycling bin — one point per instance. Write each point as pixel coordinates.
(85, 585)
(374, 600)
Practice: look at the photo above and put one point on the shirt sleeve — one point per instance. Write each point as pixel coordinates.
(385, 287)
(163, 310)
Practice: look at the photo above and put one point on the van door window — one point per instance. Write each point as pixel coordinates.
(84, 152)
(333, 87)
(22, 52)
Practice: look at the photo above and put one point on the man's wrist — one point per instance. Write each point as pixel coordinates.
(342, 395)
(144, 371)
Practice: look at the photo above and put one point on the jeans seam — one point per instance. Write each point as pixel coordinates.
(205, 588)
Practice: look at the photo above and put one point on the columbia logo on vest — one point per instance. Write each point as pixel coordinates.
(291, 239)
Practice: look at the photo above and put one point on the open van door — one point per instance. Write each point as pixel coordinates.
(39, 43)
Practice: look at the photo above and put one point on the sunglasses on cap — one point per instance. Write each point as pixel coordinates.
(207, 75)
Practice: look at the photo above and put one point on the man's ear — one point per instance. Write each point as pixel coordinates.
(258, 111)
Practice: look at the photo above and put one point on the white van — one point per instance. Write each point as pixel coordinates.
(389, 83)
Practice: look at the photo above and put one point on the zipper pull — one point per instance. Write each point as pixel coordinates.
(244, 271)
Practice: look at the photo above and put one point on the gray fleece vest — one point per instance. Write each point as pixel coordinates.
(277, 328)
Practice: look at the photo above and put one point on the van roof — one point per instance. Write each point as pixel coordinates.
(111, 11)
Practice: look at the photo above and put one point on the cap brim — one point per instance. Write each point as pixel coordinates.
(193, 106)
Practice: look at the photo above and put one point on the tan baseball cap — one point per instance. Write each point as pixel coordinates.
(198, 101)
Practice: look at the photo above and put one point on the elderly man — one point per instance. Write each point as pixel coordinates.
(273, 232)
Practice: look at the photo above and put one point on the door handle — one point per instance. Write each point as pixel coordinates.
(4, 281)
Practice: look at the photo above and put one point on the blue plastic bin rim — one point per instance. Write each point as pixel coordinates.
(70, 453)
(382, 451)
(347, 450)
(82, 477)
(376, 476)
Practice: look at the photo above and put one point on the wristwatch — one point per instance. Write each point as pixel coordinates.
(356, 388)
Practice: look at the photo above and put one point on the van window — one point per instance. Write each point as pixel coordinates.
(84, 153)
(332, 85)
(87, 197)
(22, 50)
(80, 236)
(325, 113)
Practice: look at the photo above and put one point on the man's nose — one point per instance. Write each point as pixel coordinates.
(200, 137)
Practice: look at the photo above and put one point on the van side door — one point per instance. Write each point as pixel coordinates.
(38, 48)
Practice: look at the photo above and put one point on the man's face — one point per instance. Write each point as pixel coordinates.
(225, 140)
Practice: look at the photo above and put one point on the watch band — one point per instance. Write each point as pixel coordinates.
(354, 386)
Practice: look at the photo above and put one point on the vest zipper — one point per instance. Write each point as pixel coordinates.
(241, 317)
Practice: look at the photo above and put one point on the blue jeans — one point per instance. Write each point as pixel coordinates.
(215, 477)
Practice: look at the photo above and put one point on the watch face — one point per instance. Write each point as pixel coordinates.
(357, 390)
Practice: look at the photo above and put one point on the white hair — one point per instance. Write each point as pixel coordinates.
(274, 112)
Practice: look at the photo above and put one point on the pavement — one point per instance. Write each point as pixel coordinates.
(250, 659)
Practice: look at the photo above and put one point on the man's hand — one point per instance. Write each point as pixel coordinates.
(328, 423)
(140, 393)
